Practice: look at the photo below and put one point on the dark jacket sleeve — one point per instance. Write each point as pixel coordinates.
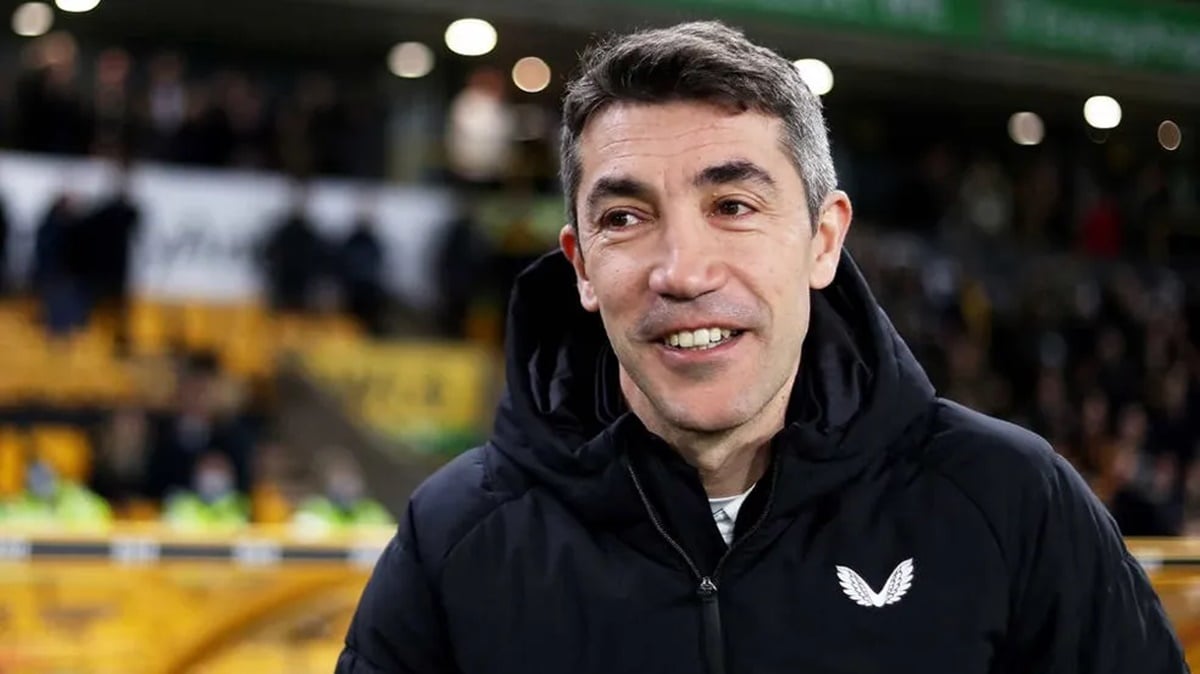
(1082, 603)
(398, 627)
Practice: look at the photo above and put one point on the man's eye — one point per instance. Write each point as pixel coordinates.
(618, 219)
(731, 208)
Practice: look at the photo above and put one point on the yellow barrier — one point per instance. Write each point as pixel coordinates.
(140, 599)
(410, 390)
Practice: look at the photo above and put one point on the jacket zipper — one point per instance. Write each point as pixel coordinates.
(710, 606)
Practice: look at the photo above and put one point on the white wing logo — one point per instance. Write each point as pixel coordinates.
(894, 589)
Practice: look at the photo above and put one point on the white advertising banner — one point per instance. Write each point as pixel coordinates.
(200, 230)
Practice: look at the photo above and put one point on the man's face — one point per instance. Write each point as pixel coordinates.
(695, 245)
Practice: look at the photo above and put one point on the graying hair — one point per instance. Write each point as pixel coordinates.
(698, 61)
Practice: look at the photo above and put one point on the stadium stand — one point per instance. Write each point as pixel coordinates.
(203, 444)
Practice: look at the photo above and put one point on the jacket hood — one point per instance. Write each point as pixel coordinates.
(562, 417)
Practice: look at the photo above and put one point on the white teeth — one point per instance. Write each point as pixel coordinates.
(701, 338)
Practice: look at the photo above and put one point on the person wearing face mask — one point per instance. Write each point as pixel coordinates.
(345, 503)
(213, 502)
(50, 500)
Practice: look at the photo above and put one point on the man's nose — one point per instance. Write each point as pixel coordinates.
(690, 262)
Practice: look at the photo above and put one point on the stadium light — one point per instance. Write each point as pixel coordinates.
(77, 5)
(1102, 112)
(1169, 135)
(1026, 128)
(32, 19)
(531, 74)
(816, 74)
(470, 37)
(410, 60)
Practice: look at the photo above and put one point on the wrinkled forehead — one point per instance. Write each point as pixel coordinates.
(662, 142)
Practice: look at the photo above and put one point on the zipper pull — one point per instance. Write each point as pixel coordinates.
(707, 588)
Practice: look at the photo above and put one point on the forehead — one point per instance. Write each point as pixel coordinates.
(643, 138)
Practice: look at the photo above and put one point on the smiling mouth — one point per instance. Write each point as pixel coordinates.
(699, 339)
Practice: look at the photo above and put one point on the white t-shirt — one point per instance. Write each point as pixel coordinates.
(725, 512)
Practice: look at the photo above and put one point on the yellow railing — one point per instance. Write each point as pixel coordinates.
(141, 598)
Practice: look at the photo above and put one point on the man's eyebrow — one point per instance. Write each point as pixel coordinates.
(735, 171)
(616, 186)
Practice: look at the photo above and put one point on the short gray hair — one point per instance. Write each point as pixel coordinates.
(698, 61)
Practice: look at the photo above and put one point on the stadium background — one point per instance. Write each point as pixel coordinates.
(256, 256)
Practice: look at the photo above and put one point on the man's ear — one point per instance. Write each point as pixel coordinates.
(833, 223)
(568, 239)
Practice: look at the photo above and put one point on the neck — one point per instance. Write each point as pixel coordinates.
(729, 461)
(727, 469)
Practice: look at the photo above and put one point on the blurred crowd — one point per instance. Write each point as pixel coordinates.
(1051, 285)
(206, 459)
(1107, 195)
(82, 250)
(1099, 358)
(164, 107)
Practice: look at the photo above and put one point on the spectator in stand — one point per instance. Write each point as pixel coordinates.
(50, 113)
(249, 124)
(1143, 501)
(1051, 413)
(344, 503)
(113, 118)
(463, 266)
(103, 245)
(4, 235)
(1175, 429)
(120, 470)
(195, 427)
(295, 257)
(361, 263)
(56, 277)
(985, 199)
(166, 104)
(212, 501)
(309, 126)
(50, 500)
(1101, 230)
(1116, 372)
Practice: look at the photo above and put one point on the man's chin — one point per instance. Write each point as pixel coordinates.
(701, 419)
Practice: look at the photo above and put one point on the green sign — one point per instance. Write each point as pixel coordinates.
(1122, 31)
(958, 19)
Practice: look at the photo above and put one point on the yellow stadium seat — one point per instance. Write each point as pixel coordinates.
(11, 388)
(149, 327)
(66, 449)
(140, 510)
(288, 331)
(205, 326)
(24, 309)
(339, 325)
(12, 463)
(248, 358)
(269, 504)
(245, 346)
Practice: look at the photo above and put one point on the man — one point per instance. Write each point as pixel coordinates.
(727, 460)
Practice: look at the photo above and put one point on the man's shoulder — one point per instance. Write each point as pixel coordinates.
(459, 495)
(964, 441)
(1011, 474)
